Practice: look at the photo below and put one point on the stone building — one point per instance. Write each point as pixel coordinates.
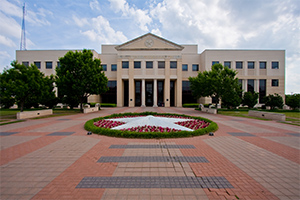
(152, 71)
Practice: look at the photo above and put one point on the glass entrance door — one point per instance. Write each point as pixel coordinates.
(149, 93)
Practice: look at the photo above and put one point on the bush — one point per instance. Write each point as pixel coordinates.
(108, 105)
(190, 105)
(89, 126)
(274, 101)
(93, 104)
(250, 99)
(293, 101)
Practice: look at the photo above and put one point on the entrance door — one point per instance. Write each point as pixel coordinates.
(149, 93)
(126, 93)
(160, 93)
(138, 88)
(172, 93)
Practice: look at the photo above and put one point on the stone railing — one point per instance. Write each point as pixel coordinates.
(90, 109)
(208, 110)
(267, 115)
(33, 114)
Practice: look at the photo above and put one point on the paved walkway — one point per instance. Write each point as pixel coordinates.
(54, 159)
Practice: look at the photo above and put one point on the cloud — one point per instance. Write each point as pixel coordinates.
(4, 54)
(6, 41)
(102, 32)
(94, 5)
(10, 9)
(139, 16)
(81, 22)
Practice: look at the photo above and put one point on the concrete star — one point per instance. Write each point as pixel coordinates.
(150, 120)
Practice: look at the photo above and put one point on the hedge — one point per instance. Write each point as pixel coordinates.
(89, 126)
(190, 105)
(108, 105)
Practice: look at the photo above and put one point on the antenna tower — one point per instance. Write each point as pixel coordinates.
(23, 38)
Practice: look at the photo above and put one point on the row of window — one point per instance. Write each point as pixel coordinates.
(149, 65)
(48, 64)
(250, 64)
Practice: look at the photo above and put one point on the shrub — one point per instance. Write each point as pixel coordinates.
(89, 126)
(274, 101)
(250, 99)
(293, 101)
(190, 105)
(108, 105)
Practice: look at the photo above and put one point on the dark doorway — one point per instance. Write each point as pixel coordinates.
(160, 93)
(172, 93)
(138, 91)
(149, 93)
(126, 93)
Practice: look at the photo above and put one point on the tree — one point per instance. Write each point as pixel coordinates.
(293, 101)
(250, 99)
(220, 83)
(274, 101)
(79, 76)
(25, 84)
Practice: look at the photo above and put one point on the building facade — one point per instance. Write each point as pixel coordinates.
(152, 71)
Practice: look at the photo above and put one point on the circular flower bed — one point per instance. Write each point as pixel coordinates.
(186, 126)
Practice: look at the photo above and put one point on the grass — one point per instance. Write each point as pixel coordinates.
(292, 117)
(8, 116)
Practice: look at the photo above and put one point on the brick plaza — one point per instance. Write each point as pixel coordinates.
(54, 158)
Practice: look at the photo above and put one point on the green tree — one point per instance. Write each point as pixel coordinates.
(25, 84)
(79, 76)
(220, 83)
(293, 101)
(250, 99)
(274, 101)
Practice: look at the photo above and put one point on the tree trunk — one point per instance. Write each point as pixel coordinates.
(22, 106)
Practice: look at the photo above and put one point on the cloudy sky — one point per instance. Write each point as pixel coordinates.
(212, 24)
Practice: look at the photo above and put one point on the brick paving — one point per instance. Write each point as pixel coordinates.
(55, 159)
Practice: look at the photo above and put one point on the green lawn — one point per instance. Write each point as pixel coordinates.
(292, 117)
(9, 115)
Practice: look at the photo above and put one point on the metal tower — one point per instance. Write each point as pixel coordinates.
(23, 38)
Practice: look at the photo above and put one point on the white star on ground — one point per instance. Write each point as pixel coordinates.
(150, 120)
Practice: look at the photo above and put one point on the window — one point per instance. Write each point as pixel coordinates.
(184, 67)
(125, 64)
(187, 96)
(58, 64)
(137, 64)
(173, 64)
(275, 65)
(104, 67)
(161, 64)
(37, 64)
(26, 63)
(227, 64)
(149, 64)
(111, 95)
(48, 65)
(275, 82)
(250, 87)
(262, 90)
(114, 67)
(250, 65)
(262, 65)
(215, 62)
(195, 67)
(239, 65)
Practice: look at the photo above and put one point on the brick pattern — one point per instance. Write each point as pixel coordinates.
(154, 182)
(152, 159)
(262, 166)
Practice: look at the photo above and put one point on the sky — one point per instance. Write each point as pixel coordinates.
(211, 24)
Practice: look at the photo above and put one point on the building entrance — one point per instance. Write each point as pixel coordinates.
(149, 93)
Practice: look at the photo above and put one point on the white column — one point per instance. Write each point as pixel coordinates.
(155, 93)
(143, 93)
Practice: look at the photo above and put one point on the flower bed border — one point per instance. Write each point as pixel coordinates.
(89, 126)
